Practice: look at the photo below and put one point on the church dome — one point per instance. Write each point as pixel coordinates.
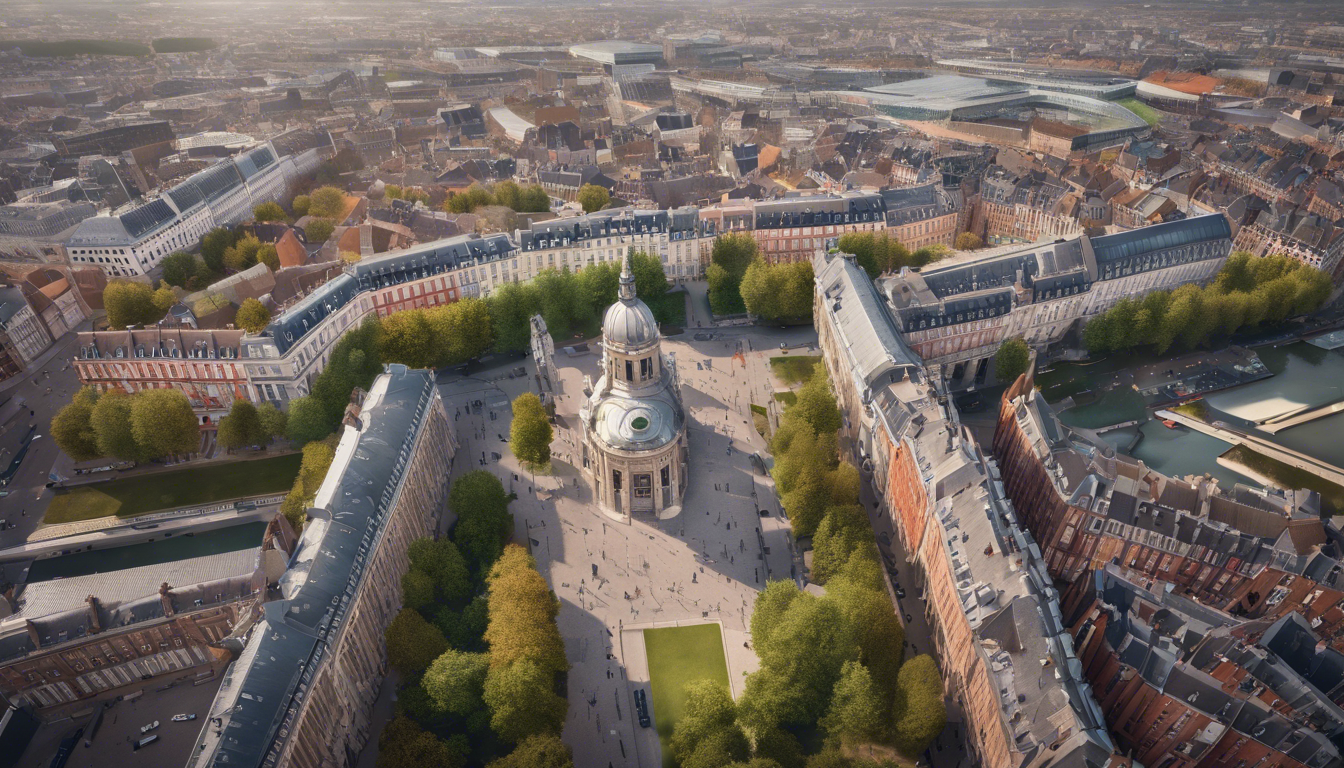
(629, 322)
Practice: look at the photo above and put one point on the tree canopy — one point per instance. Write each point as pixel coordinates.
(130, 303)
(877, 253)
(707, 731)
(779, 291)
(530, 431)
(522, 701)
(252, 316)
(242, 426)
(483, 519)
(593, 198)
(732, 255)
(921, 710)
(522, 614)
(163, 423)
(318, 230)
(413, 643)
(72, 426)
(269, 211)
(327, 202)
(456, 681)
(1012, 360)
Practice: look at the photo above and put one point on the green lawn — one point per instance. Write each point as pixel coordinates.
(794, 369)
(170, 490)
(677, 656)
(1148, 114)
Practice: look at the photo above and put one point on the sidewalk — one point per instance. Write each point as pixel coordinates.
(58, 346)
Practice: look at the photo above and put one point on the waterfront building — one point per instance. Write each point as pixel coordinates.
(635, 450)
(134, 240)
(1004, 651)
(956, 313)
(301, 691)
(104, 634)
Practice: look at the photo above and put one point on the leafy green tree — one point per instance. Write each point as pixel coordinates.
(522, 615)
(456, 681)
(273, 421)
(301, 205)
(650, 277)
(601, 284)
(417, 590)
(268, 255)
(708, 721)
(593, 198)
(163, 423)
(164, 299)
(242, 426)
(129, 303)
(512, 306)
(408, 338)
(1012, 360)
(317, 458)
(178, 267)
(465, 629)
(770, 607)
(252, 316)
(242, 254)
(534, 199)
(530, 431)
(72, 426)
(561, 302)
(318, 230)
(111, 422)
(307, 420)
(522, 701)
(508, 194)
(816, 404)
(801, 661)
(968, 241)
(843, 530)
(732, 255)
(921, 712)
(929, 254)
(876, 253)
(403, 744)
(483, 518)
(270, 211)
(544, 750)
(327, 203)
(861, 595)
(463, 330)
(440, 560)
(213, 245)
(779, 747)
(413, 643)
(855, 715)
(475, 197)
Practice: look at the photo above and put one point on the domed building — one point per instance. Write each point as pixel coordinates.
(634, 425)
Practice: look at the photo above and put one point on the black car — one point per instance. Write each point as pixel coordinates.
(642, 708)
(900, 591)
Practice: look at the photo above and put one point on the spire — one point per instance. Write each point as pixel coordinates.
(627, 280)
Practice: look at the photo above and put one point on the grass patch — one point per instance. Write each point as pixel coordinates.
(670, 308)
(1149, 115)
(677, 656)
(1196, 410)
(787, 398)
(169, 490)
(794, 369)
(1332, 495)
(760, 418)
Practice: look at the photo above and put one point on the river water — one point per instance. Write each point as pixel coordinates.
(1304, 376)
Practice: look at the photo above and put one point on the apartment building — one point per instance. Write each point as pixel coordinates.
(673, 236)
(922, 215)
(795, 229)
(302, 690)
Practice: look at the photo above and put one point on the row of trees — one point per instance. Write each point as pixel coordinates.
(317, 458)
(151, 424)
(879, 253)
(532, 199)
(131, 303)
(808, 472)
(477, 646)
(1247, 292)
(778, 291)
(732, 256)
(248, 424)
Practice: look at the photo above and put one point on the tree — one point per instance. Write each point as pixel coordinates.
(213, 245)
(780, 747)
(327, 203)
(968, 241)
(403, 744)
(929, 254)
(512, 306)
(861, 595)
(801, 661)
(269, 211)
(593, 198)
(709, 719)
(318, 230)
(178, 268)
(544, 750)
(111, 422)
(273, 421)
(530, 432)
(650, 277)
(268, 255)
(163, 299)
(816, 405)
(1012, 360)
(253, 316)
(601, 283)
(462, 330)
(483, 518)
(72, 426)
(921, 712)
(522, 615)
(163, 423)
(129, 303)
(522, 701)
(242, 254)
(417, 590)
(534, 199)
(733, 253)
(856, 706)
(317, 458)
(456, 681)
(440, 560)
(465, 629)
(301, 205)
(475, 197)
(508, 194)
(407, 338)
(307, 420)
(241, 427)
(843, 530)
(876, 253)
(413, 643)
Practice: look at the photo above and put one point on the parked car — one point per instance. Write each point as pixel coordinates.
(900, 591)
(184, 717)
(150, 727)
(642, 708)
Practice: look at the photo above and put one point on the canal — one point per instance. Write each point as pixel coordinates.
(1304, 377)
(179, 547)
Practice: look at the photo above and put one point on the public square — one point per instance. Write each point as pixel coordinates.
(614, 579)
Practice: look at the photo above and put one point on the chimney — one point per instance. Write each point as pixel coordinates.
(166, 598)
(95, 621)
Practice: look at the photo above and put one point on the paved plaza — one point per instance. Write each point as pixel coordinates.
(705, 564)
